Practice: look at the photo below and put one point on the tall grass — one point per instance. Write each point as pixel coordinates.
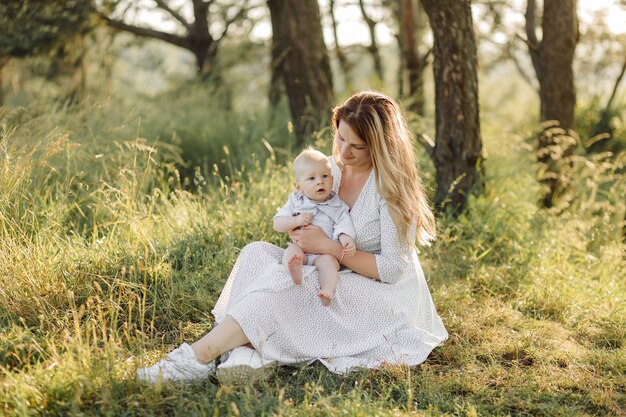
(109, 257)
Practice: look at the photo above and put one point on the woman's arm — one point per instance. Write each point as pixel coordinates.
(312, 239)
(363, 263)
(395, 254)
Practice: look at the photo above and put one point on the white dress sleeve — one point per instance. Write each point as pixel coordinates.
(394, 257)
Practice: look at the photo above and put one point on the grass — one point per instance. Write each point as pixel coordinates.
(109, 257)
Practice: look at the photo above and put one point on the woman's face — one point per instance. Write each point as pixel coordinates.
(353, 150)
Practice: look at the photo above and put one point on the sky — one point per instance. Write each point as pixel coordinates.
(352, 29)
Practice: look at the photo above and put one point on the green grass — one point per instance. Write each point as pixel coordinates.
(109, 258)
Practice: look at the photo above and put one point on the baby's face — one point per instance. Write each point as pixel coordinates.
(315, 180)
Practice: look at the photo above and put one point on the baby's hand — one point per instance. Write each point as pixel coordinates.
(305, 219)
(349, 247)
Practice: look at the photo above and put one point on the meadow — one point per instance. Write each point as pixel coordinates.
(115, 243)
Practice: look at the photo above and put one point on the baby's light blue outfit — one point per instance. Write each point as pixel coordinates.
(333, 215)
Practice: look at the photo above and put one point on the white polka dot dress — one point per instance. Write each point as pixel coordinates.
(368, 323)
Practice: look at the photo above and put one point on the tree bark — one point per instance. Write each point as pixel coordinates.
(552, 58)
(300, 57)
(458, 145)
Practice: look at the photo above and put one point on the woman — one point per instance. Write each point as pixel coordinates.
(382, 310)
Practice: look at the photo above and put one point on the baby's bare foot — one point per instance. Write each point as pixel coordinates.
(295, 269)
(326, 297)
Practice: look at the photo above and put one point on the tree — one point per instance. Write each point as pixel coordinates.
(31, 27)
(37, 27)
(552, 59)
(3, 62)
(300, 59)
(373, 48)
(499, 37)
(201, 35)
(344, 63)
(410, 29)
(458, 146)
(603, 125)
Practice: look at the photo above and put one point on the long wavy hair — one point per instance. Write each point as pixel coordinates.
(380, 122)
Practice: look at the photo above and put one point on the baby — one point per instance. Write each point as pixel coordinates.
(314, 202)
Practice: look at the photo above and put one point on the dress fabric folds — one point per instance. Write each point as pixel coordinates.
(368, 324)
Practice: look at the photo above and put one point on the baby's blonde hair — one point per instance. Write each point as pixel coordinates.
(307, 156)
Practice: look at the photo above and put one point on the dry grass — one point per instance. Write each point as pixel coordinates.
(108, 258)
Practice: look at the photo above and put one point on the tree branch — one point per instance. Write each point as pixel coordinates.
(146, 32)
(164, 6)
(373, 48)
(531, 34)
(426, 55)
(522, 71)
(428, 144)
(508, 52)
(368, 20)
(521, 38)
(615, 88)
(227, 22)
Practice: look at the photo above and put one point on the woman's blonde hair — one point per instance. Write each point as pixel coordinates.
(380, 122)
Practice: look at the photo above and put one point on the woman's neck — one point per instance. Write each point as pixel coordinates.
(357, 170)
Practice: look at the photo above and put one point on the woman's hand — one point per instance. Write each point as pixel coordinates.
(311, 239)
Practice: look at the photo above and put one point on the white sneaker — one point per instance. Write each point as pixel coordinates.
(180, 365)
(243, 365)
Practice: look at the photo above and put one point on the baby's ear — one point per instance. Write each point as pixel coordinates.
(297, 186)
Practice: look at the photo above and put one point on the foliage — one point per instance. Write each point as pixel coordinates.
(31, 27)
(592, 116)
(108, 260)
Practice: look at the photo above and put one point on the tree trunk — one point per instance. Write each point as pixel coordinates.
(458, 146)
(199, 39)
(2, 63)
(373, 48)
(299, 55)
(604, 122)
(411, 61)
(552, 59)
(78, 76)
(609, 104)
(341, 56)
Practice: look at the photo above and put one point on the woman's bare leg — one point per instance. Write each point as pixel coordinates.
(224, 337)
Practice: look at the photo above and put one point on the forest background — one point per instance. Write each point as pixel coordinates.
(143, 144)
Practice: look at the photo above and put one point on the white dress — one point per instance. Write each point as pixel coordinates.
(369, 323)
